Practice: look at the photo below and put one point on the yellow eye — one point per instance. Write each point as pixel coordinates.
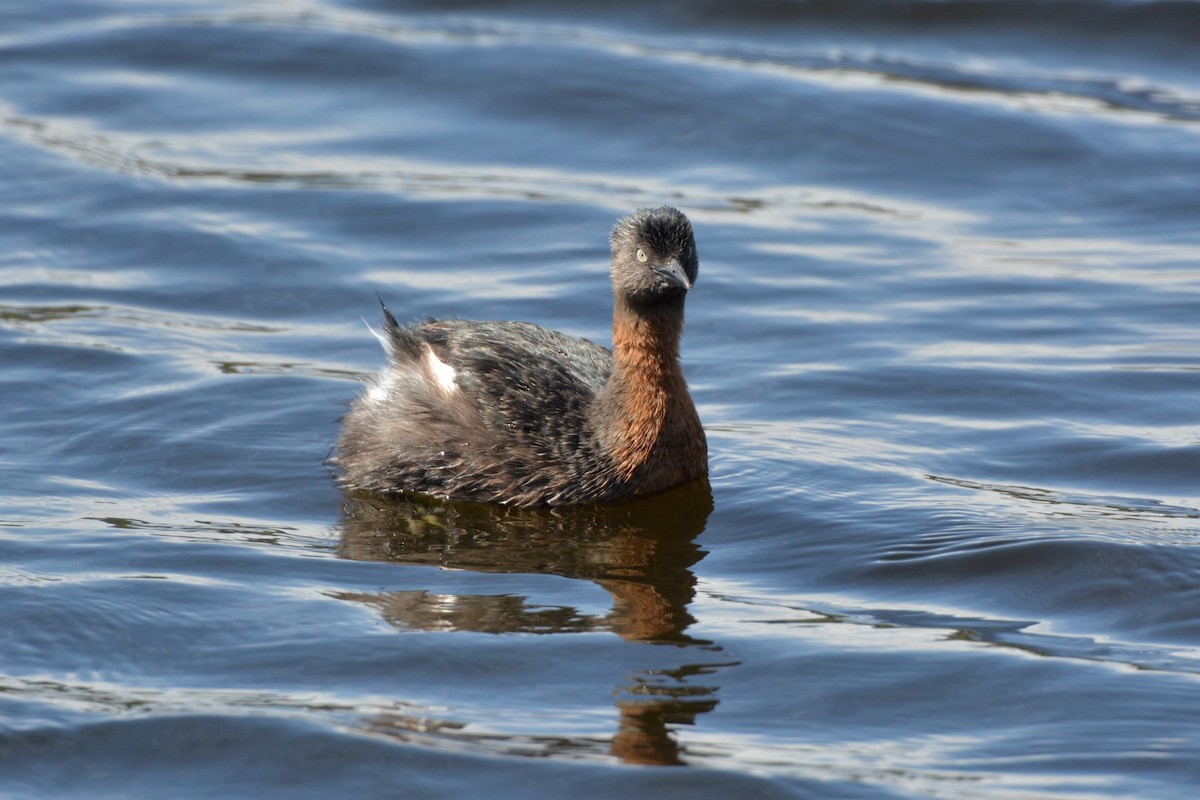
(641, 255)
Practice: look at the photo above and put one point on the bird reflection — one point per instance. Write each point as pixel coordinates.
(640, 552)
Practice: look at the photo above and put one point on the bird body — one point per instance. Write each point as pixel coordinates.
(511, 412)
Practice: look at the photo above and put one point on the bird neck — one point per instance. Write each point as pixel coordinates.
(646, 341)
(650, 422)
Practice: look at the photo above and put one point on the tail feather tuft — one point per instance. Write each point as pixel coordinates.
(403, 343)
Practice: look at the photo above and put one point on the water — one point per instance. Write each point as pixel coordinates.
(944, 342)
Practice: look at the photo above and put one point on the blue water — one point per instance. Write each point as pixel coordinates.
(945, 344)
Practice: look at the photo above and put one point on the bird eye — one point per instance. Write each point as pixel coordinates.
(641, 255)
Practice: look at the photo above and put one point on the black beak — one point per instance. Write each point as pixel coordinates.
(672, 272)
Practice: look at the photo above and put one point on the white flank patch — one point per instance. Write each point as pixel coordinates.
(442, 372)
(380, 389)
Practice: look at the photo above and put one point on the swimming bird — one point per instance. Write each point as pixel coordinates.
(514, 413)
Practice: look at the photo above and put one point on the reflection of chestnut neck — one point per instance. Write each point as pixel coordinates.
(644, 612)
(643, 737)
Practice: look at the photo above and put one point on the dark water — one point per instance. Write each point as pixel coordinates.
(946, 344)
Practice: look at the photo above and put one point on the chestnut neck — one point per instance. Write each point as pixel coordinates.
(650, 425)
(646, 341)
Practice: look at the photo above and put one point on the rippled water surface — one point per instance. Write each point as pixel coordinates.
(945, 342)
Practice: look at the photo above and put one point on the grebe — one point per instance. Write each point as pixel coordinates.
(510, 412)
